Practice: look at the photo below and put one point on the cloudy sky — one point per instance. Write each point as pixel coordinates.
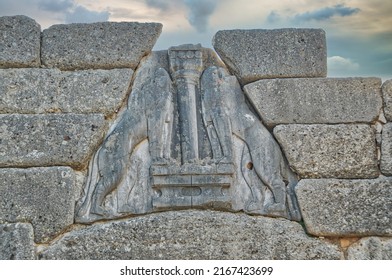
(359, 32)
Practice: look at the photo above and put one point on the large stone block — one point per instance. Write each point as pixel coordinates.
(20, 42)
(44, 197)
(192, 235)
(102, 45)
(17, 242)
(386, 150)
(316, 100)
(281, 53)
(387, 94)
(37, 91)
(330, 151)
(44, 140)
(371, 248)
(333, 207)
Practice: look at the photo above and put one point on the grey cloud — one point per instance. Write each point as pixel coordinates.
(326, 13)
(67, 11)
(273, 17)
(159, 4)
(200, 12)
(56, 5)
(82, 15)
(20, 7)
(128, 14)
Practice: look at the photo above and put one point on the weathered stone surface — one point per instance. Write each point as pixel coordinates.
(330, 151)
(192, 235)
(371, 248)
(28, 90)
(184, 124)
(16, 242)
(386, 150)
(387, 94)
(210, 58)
(281, 53)
(42, 140)
(316, 100)
(98, 45)
(37, 91)
(113, 169)
(44, 197)
(20, 41)
(333, 207)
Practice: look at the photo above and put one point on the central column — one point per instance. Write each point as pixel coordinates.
(186, 65)
(194, 183)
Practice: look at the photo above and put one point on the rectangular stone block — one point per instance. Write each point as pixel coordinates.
(386, 150)
(371, 248)
(212, 180)
(103, 45)
(20, 42)
(332, 207)
(171, 197)
(38, 91)
(193, 169)
(387, 94)
(47, 140)
(172, 180)
(330, 151)
(316, 100)
(44, 197)
(17, 242)
(196, 190)
(280, 53)
(213, 197)
(173, 235)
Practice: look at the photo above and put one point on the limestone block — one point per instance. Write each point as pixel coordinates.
(330, 151)
(386, 150)
(281, 53)
(192, 235)
(94, 91)
(16, 242)
(316, 100)
(42, 140)
(44, 197)
(20, 42)
(28, 90)
(387, 94)
(102, 45)
(37, 91)
(333, 207)
(371, 248)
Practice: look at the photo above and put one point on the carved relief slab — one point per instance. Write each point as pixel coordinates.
(187, 139)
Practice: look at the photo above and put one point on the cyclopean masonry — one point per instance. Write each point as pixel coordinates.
(109, 150)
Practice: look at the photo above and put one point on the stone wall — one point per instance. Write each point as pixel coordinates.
(64, 93)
